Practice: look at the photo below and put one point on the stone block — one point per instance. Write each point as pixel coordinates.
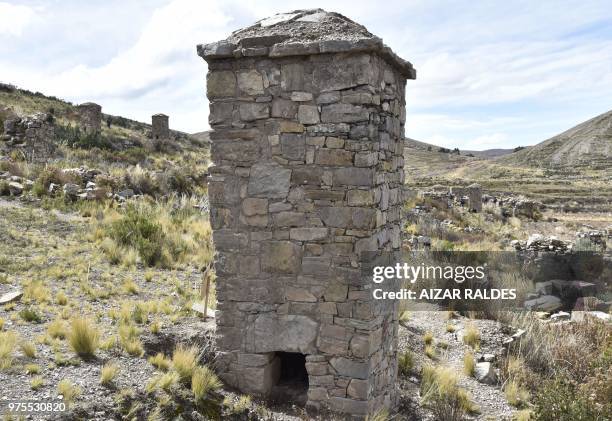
(250, 82)
(254, 111)
(344, 113)
(293, 146)
(300, 295)
(353, 177)
(253, 206)
(284, 108)
(350, 368)
(308, 233)
(291, 333)
(269, 180)
(308, 114)
(220, 84)
(334, 157)
(360, 197)
(280, 257)
(358, 389)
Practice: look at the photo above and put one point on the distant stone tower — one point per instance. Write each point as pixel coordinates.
(161, 129)
(90, 115)
(307, 110)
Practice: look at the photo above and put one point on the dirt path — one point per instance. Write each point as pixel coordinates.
(490, 399)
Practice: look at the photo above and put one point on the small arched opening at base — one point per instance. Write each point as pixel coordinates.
(292, 385)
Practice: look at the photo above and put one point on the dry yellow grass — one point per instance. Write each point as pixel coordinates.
(184, 362)
(108, 373)
(84, 337)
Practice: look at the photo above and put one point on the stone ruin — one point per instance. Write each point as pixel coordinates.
(90, 116)
(307, 110)
(32, 136)
(470, 196)
(159, 123)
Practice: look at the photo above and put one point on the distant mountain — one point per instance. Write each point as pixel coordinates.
(587, 145)
(488, 153)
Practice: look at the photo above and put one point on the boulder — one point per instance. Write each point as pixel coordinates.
(71, 190)
(15, 188)
(544, 303)
(10, 297)
(485, 373)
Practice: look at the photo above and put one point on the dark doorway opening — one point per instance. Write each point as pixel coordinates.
(292, 384)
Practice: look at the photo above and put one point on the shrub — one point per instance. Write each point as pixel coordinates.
(108, 373)
(136, 229)
(68, 390)
(160, 361)
(30, 315)
(57, 329)
(130, 341)
(203, 382)
(84, 338)
(37, 382)
(469, 363)
(28, 349)
(184, 362)
(8, 340)
(558, 400)
(515, 394)
(441, 394)
(61, 298)
(471, 336)
(428, 338)
(405, 362)
(450, 328)
(32, 368)
(430, 351)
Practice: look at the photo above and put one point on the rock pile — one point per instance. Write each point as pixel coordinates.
(538, 242)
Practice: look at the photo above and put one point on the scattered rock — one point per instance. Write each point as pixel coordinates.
(10, 297)
(485, 373)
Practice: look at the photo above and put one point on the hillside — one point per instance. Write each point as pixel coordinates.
(24, 102)
(587, 145)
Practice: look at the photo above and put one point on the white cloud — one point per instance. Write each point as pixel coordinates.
(15, 18)
(485, 73)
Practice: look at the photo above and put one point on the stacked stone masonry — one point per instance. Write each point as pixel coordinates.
(90, 115)
(308, 169)
(160, 126)
(31, 136)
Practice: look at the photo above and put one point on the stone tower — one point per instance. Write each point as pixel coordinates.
(307, 110)
(160, 126)
(90, 115)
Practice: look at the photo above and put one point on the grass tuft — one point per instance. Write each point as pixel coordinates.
(84, 337)
(469, 364)
(184, 362)
(108, 373)
(68, 390)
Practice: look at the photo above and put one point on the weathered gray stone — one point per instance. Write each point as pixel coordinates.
(283, 108)
(250, 82)
(9, 297)
(252, 206)
(308, 114)
(293, 146)
(334, 157)
(280, 257)
(344, 113)
(485, 373)
(221, 84)
(308, 234)
(269, 180)
(254, 111)
(301, 96)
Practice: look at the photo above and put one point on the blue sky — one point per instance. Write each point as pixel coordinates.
(490, 73)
